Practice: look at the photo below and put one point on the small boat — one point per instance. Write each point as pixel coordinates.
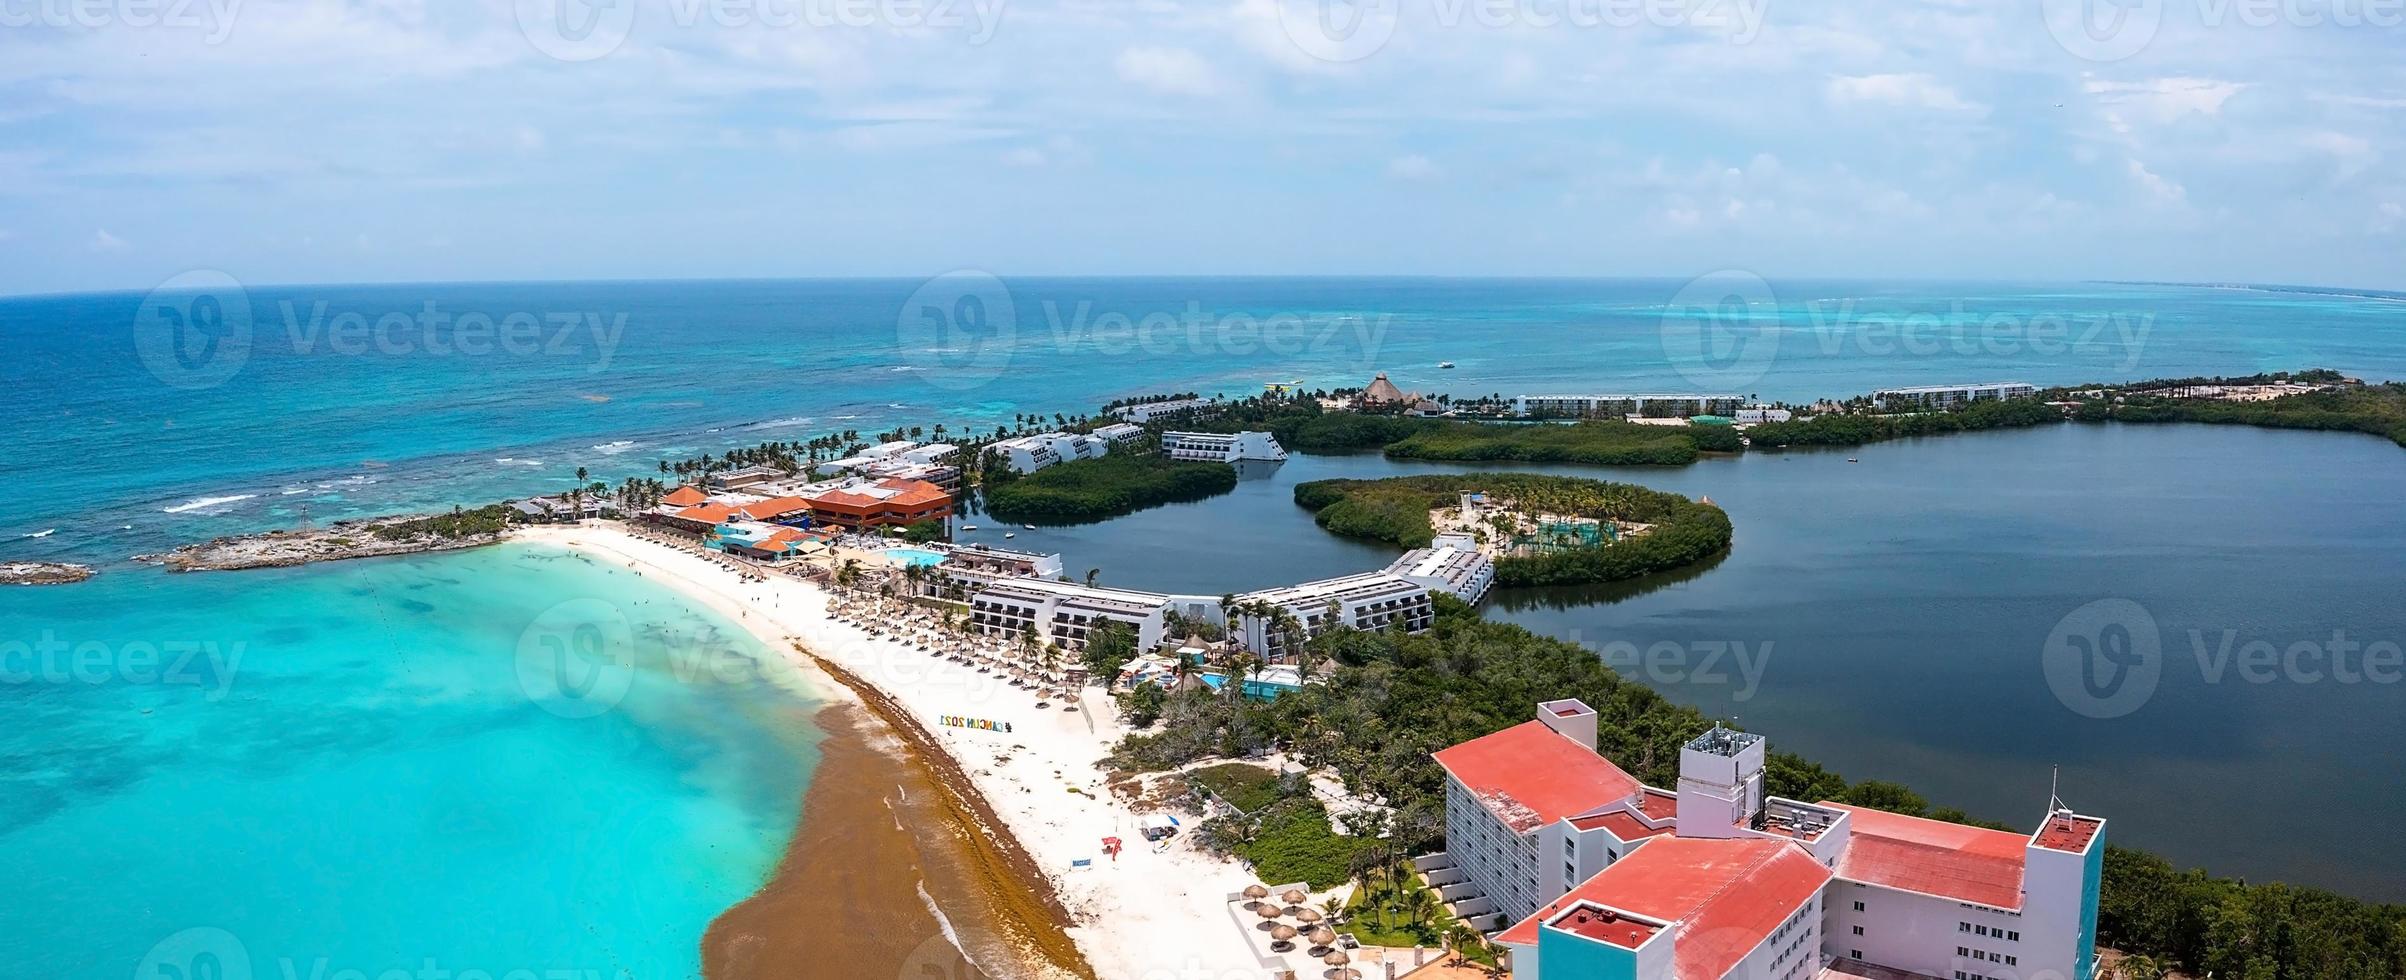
(1851, 459)
(1009, 534)
(969, 527)
(43, 534)
(1445, 365)
(1027, 527)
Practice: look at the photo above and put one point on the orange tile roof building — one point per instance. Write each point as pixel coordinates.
(891, 502)
(1601, 878)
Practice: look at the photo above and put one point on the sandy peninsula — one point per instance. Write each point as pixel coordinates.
(1143, 915)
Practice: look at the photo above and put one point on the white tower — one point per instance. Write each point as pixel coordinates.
(1720, 783)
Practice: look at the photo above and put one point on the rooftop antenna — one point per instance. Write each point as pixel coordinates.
(2055, 791)
(305, 515)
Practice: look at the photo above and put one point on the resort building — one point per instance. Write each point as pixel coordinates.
(1451, 564)
(702, 517)
(1756, 415)
(972, 567)
(1027, 454)
(881, 503)
(1626, 406)
(1949, 396)
(1365, 601)
(749, 476)
(1720, 879)
(766, 542)
(1382, 392)
(1120, 433)
(1145, 412)
(1221, 447)
(1065, 613)
(547, 510)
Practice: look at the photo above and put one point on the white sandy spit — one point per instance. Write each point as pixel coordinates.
(1145, 916)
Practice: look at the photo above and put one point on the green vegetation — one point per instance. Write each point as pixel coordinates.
(1599, 443)
(1241, 785)
(1395, 907)
(1858, 429)
(1396, 511)
(1108, 648)
(1291, 841)
(486, 520)
(2376, 409)
(1085, 490)
(1396, 698)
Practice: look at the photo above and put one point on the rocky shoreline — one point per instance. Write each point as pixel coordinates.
(371, 538)
(43, 573)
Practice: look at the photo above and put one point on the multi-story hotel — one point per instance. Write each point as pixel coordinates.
(1145, 412)
(1221, 447)
(1605, 879)
(1949, 396)
(1396, 597)
(1066, 613)
(1027, 454)
(1119, 433)
(1623, 406)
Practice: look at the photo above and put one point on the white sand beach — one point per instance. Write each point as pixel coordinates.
(1143, 916)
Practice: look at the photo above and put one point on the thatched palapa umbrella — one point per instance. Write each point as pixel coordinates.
(1282, 938)
(1254, 894)
(1269, 914)
(1308, 915)
(1322, 938)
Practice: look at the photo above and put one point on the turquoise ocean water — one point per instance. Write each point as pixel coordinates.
(374, 786)
(374, 766)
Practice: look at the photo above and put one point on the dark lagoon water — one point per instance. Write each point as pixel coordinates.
(1899, 608)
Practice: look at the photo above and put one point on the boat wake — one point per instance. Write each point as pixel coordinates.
(204, 503)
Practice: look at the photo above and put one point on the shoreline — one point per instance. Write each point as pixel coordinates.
(1036, 792)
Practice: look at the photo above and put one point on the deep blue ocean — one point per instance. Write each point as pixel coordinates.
(376, 783)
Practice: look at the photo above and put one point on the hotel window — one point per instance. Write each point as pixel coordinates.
(2013, 937)
(1858, 930)
(1963, 927)
(1854, 954)
(2012, 960)
(1858, 906)
(1963, 952)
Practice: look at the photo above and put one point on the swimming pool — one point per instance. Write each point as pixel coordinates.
(913, 556)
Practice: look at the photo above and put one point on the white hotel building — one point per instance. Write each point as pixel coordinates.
(1602, 878)
(1949, 396)
(1031, 453)
(1221, 447)
(1144, 412)
(1623, 406)
(1018, 591)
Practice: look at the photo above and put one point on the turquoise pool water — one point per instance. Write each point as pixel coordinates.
(914, 556)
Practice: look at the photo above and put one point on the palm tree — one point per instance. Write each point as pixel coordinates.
(848, 573)
(1091, 573)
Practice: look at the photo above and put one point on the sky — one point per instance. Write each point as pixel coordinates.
(409, 140)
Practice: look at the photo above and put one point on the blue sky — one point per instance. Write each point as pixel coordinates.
(309, 141)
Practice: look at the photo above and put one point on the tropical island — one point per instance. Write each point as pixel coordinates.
(43, 573)
(1086, 490)
(407, 534)
(1540, 530)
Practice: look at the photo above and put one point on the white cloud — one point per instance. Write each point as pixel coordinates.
(2168, 192)
(1412, 166)
(1170, 71)
(2161, 100)
(1913, 90)
(2353, 154)
(102, 241)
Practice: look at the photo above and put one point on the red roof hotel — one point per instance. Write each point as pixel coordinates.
(1585, 874)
